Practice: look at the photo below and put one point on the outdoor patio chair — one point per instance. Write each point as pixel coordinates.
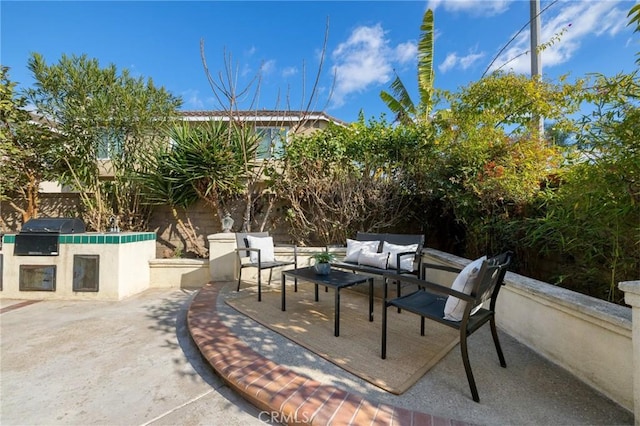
(256, 250)
(460, 307)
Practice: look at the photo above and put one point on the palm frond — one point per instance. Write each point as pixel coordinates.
(400, 112)
(425, 62)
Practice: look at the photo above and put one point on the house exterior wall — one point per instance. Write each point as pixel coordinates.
(298, 122)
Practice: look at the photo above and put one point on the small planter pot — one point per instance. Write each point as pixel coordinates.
(322, 268)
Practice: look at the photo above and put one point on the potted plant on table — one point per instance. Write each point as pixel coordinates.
(322, 264)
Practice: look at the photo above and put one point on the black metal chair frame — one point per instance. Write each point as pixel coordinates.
(430, 299)
(243, 252)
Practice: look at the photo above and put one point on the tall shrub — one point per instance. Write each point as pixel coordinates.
(593, 218)
(205, 161)
(107, 119)
(491, 162)
(347, 179)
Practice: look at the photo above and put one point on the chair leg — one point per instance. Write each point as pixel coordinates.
(239, 278)
(270, 274)
(467, 366)
(398, 293)
(383, 349)
(494, 333)
(422, 326)
(259, 285)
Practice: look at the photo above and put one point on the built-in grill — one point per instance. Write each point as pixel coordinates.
(39, 237)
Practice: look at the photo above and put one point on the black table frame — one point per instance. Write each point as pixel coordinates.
(337, 280)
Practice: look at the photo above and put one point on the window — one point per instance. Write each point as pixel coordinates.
(110, 143)
(272, 140)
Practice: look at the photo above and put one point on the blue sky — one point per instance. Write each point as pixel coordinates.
(367, 42)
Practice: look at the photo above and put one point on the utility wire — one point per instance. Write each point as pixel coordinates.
(514, 37)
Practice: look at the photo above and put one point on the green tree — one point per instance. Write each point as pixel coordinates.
(489, 164)
(592, 219)
(28, 150)
(399, 101)
(108, 119)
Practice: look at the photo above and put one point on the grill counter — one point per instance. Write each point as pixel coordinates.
(39, 237)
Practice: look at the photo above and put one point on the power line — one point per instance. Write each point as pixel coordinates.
(516, 35)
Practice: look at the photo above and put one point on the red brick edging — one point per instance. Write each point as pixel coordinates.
(286, 396)
(18, 305)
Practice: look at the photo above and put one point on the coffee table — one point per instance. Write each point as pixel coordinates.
(336, 280)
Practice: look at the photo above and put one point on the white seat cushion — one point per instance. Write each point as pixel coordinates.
(265, 244)
(354, 247)
(454, 307)
(406, 262)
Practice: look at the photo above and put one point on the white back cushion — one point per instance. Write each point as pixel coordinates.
(265, 244)
(406, 262)
(354, 247)
(454, 307)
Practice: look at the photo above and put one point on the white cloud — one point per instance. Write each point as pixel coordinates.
(246, 70)
(406, 52)
(267, 67)
(473, 7)
(365, 59)
(191, 100)
(449, 62)
(470, 60)
(454, 61)
(562, 33)
(289, 71)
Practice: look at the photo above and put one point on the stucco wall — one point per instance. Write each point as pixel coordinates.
(589, 337)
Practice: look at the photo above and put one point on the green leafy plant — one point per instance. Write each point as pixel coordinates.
(399, 101)
(323, 257)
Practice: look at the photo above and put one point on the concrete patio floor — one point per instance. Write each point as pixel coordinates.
(133, 363)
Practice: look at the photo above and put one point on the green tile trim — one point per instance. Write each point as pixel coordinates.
(95, 238)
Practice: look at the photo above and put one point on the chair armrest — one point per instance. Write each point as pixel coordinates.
(445, 268)
(257, 250)
(433, 287)
(401, 255)
(239, 249)
(441, 267)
